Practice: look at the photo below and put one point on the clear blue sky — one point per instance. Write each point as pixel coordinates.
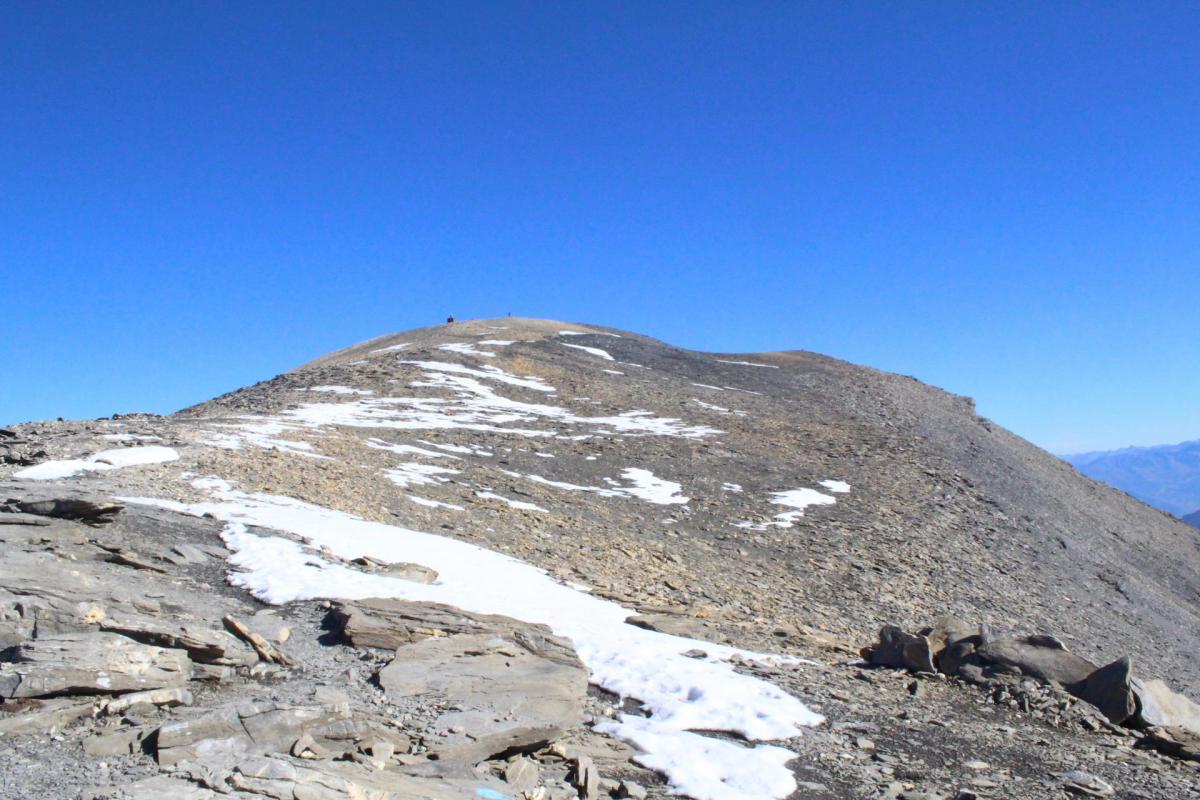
(999, 198)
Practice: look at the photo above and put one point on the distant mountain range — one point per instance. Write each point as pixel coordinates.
(1166, 477)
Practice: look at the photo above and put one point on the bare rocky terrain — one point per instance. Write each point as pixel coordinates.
(256, 608)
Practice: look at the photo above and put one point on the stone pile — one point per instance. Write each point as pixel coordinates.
(973, 653)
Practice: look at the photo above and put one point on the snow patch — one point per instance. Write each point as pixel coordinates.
(422, 501)
(680, 694)
(407, 449)
(414, 474)
(521, 504)
(596, 351)
(466, 349)
(836, 486)
(643, 485)
(487, 372)
(747, 364)
(103, 461)
(797, 499)
(338, 390)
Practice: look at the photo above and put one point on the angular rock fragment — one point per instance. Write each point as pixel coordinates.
(1109, 689)
(389, 623)
(81, 507)
(672, 624)
(949, 631)
(901, 650)
(276, 777)
(164, 786)
(169, 698)
(254, 728)
(90, 663)
(1160, 707)
(43, 716)
(201, 643)
(266, 651)
(1041, 657)
(510, 690)
(13, 518)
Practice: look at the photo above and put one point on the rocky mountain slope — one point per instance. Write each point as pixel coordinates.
(530, 559)
(1166, 477)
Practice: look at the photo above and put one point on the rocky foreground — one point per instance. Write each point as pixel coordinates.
(531, 560)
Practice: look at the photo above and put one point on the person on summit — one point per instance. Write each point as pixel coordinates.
(449, 319)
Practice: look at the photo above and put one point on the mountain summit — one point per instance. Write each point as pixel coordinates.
(534, 559)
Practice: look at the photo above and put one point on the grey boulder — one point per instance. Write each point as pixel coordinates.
(90, 663)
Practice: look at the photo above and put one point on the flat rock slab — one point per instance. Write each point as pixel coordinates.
(277, 777)
(263, 728)
(208, 645)
(389, 623)
(505, 691)
(44, 716)
(90, 663)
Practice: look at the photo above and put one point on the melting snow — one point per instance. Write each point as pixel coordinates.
(100, 462)
(421, 501)
(589, 333)
(798, 499)
(413, 474)
(718, 409)
(339, 390)
(498, 342)
(407, 449)
(747, 364)
(470, 404)
(263, 432)
(596, 351)
(614, 372)
(644, 485)
(836, 486)
(706, 386)
(466, 349)
(514, 503)
(129, 437)
(681, 694)
(731, 487)
(487, 372)
(458, 448)
(393, 348)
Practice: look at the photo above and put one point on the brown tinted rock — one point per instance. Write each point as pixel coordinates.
(389, 623)
(950, 630)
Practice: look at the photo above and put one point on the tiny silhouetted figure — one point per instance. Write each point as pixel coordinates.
(449, 319)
